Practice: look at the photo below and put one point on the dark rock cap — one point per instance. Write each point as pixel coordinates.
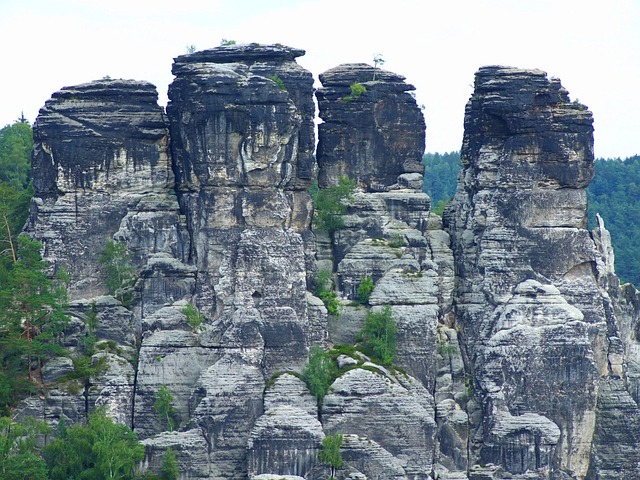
(348, 73)
(245, 53)
(373, 136)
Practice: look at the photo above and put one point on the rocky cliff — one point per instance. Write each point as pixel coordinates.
(517, 352)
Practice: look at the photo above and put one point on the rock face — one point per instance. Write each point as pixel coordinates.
(101, 170)
(535, 324)
(374, 136)
(517, 349)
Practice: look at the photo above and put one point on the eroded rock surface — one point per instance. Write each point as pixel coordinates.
(517, 351)
(533, 320)
(373, 137)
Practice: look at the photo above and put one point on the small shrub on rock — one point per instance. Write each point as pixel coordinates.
(319, 373)
(194, 318)
(365, 288)
(379, 335)
(115, 260)
(330, 452)
(324, 290)
(330, 204)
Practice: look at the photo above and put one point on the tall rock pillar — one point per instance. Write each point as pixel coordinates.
(241, 122)
(537, 333)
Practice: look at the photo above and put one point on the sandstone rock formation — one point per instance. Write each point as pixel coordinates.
(517, 351)
(373, 137)
(539, 336)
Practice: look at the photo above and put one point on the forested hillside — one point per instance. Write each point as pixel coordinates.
(440, 177)
(614, 193)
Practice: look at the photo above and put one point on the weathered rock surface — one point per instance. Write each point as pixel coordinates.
(374, 137)
(285, 440)
(100, 156)
(531, 314)
(520, 347)
(365, 403)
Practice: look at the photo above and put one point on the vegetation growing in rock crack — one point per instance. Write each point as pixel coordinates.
(85, 366)
(331, 203)
(194, 318)
(447, 349)
(357, 89)
(115, 260)
(163, 406)
(396, 240)
(365, 288)
(278, 81)
(319, 372)
(324, 291)
(330, 453)
(379, 335)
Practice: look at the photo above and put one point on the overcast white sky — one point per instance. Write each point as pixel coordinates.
(593, 46)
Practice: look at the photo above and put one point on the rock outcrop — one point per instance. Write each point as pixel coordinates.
(538, 334)
(517, 349)
(372, 129)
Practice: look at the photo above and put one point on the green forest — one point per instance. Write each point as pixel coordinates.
(614, 193)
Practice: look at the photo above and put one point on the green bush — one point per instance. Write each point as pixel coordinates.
(396, 240)
(324, 290)
(364, 289)
(164, 408)
(278, 81)
(99, 450)
(169, 470)
(115, 260)
(330, 204)
(319, 373)
(194, 318)
(330, 452)
(379, 335)
(357, 89)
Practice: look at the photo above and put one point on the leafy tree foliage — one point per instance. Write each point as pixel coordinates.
(440, 176)
(169, 469)
(614, 193)
(14, 209)
(100, 450)
(319, 373)
(32, 319)
(365, 288)
(379, 335)
(194, 318)
(164, 408)
(357, 89)
(120, 273)
(324, 290)
(16, 141)
(330, 452)
(19, 456)
(330, 204)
